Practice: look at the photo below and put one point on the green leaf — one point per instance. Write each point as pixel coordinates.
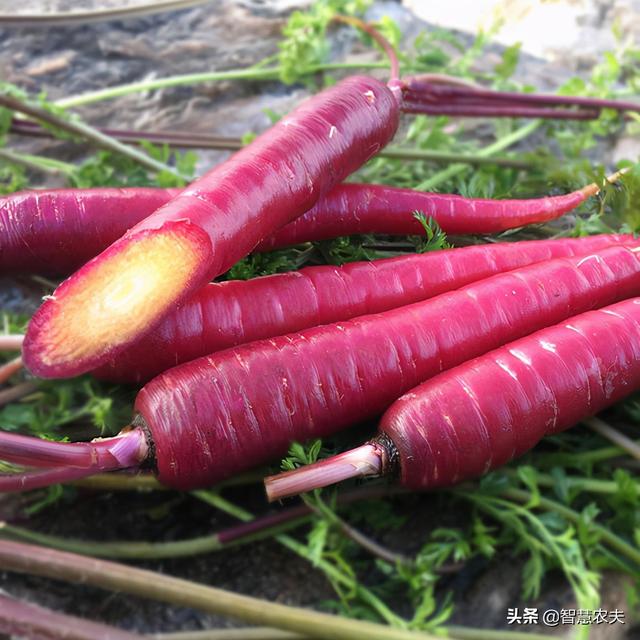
(510, 57)
(316, 541)
(436, 238)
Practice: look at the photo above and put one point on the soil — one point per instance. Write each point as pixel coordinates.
(222, 34)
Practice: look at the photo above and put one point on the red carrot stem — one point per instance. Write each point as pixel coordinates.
(100, 453)
(17, 392)
(198, 140)
(29, 480)
(384, 44)
(510, 111)
(64, 461)
(442, 88)
(366, 460)
(32, 621)
(11, 342)
(9, 368)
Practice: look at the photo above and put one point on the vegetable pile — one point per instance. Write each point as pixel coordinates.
(471, 355)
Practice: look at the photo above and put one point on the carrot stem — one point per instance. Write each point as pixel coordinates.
(260, 529)
(250, 73)
(9, 368)
(499, 145)
(67, 18)
(11, 342)
(450, 89)
(116, 481)
(592, 485)
(490, 111)
(203, 141)
(148, 482)
(582, 457)
(608, 432)
(266, 633)
(19, 618)
(246, 633)
(86, 132)
(28, 480)
(34, 560)
(17, 392)
(64, 462)
(125, 450)
(37, 163)
(247, 531)
(384, 44)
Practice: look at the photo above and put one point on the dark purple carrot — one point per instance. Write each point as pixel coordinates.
(213, 417)
(489, 410)
(56, 231)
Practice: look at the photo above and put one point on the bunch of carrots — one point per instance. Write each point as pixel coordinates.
(471, 355)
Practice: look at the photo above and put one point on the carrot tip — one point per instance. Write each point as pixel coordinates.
(114, 299)
(594, 188)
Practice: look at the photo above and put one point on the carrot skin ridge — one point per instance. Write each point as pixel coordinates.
(242, 406)
(227, 314)
(59, 230)
(267, 184)
(487, 411)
